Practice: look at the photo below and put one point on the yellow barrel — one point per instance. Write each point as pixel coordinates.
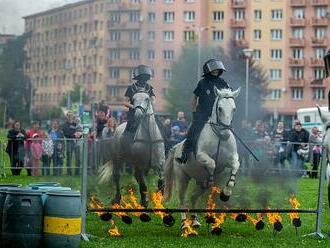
(62, 219)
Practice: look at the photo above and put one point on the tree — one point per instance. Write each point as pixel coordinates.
(14, 86)
(185, 80)
(75, 96)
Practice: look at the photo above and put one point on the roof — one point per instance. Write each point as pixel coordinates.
(67, 6)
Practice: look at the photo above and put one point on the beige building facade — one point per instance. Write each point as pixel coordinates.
(97, 43)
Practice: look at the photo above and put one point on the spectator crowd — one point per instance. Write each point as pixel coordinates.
(48, 152)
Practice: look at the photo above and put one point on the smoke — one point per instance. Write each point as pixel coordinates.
(12, 11)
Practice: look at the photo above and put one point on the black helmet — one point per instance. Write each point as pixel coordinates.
(212, 65)
(142, 70)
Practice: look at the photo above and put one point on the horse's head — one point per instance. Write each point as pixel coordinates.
(224, 106)
(141, 104)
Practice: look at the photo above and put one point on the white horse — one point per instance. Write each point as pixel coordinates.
(325, 117)
(216, 149)
(143, 152)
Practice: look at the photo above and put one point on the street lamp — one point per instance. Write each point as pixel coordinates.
(199, 31)
(248, 55)
(326, 59)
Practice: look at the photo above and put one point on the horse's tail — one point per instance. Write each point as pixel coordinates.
(169, 175)
(105, 172)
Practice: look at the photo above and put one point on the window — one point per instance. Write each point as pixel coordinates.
(189, 16)
(189, 35)
(114, 35)
(320, 32)
(277, 14)
(167, 74)
(114, 91)
(151, 36)
(318, 93)
(298, 33)
(298, 53)
(134, 54)
(319, 52)
(114, 54)
(239, 14)
(189, 1)
(134, 35)
(218, 35)
(297, 93)
(257, 34)
(168, 16)
(151, 54)
(114, 73)
(257, 14)
(276, 53)
(151, 17)
(168, 54)
(114, 17)
(257, 54)
(169, 1)
(276, 34)
(218, 16)
(275, 74)
(152, 1)
(320, 12)
(319, 73)
(168, 35)
(134, 16)
(239, 34)
(275, 94)
(299, 13)
(297, 72)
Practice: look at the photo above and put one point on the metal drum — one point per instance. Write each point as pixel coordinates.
(3, 194)
(22, 219)
(45, 189)
(62, 219)
(44, 184)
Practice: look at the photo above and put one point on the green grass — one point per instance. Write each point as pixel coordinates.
(155, 234)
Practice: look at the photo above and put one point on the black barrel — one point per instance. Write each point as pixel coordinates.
(62, 219)
(22, 219)
(3, 194)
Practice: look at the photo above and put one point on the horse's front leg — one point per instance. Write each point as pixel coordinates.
(208, 163)
(116, 178)
(142, 186)
(158, 162)
(182, 181)
(227, 191)
(198, 191)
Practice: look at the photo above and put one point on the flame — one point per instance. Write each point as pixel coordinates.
(295, 205)
(188, 230)
(117, 206)
(157, 199)
(97, 204)
(274, 217)
(218, 218)
(114, 231)
(134, 201)
(253, 220)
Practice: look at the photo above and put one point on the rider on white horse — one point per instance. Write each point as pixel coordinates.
(142, 74)
(202, 103)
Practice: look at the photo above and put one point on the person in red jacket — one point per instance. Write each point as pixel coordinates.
(35, 129)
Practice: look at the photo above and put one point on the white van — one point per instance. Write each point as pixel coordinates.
(309, 118)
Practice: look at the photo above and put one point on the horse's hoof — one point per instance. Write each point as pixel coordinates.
(216, 231)
(116, 200)
(195, 223)
(160, 185)
(224, 197)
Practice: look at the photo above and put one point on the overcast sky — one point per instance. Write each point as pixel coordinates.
(12, 11)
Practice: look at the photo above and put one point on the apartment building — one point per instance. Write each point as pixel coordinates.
(97, 43)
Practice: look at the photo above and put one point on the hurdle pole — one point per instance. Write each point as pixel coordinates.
(84, 191)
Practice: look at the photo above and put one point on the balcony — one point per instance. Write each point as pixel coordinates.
(322, 21)
(319, 2)
(315, 62)
(124, 63)
(297, 42)
(240, 43)
(296, 22)
(316, 83)
(124, 44)
(297, 62)
(293, 82)
(123, 25)
(238, 23)
(319, 41)
(238, 3)
(297, 3)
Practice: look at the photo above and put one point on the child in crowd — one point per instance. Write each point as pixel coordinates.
(36, 152)
(47, 153)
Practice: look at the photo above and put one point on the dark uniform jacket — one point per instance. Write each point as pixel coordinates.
(206, 96)
(139, 87)
(299, 137)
